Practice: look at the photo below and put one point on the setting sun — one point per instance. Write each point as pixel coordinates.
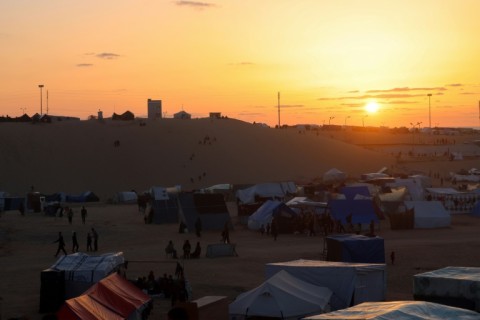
(372, 107)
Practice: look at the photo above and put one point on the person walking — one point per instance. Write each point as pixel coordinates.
(75, 245)
(95, 239)
(89, 242)
(70, 215)
(84, 214)
(198, 227)
(61, 245)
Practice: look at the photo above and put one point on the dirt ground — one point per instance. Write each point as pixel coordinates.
(27, 248)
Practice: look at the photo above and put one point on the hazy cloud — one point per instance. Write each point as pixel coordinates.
(455, 85)
(244, 63)
(380, 96)
(107, 55)
(353, 91)
(468, 93)
(352, 105)
(195, 4)
(84, 65)
(286, 106)
(399, 102)
(407, 89)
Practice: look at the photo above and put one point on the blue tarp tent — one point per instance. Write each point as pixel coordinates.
(87, 196)
(210, 208)
(351, 191)
(283, 214)
(355, 248)
(362, 211)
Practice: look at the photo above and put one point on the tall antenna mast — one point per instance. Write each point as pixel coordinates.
(47, 101)
(279, 110)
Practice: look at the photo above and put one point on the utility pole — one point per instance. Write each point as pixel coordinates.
(41, 98)
(278, 102)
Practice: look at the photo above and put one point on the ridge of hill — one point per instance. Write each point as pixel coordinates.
(73, 156)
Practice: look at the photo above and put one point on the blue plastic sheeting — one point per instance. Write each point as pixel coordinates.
(351, 191)
(362, 211)
(355, 248)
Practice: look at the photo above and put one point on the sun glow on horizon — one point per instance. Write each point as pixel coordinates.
(372, 107)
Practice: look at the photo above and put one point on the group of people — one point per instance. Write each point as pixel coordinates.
(187, 250)
(68, 211)
(172, 287)
(92, 238)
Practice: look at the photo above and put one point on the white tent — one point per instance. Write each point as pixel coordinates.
(334, 175)
(282, 296)
(454, 286)
(82, 270)
(398, 310)
(266, 190)
(414, 187)
(429, 214)
(357, 282)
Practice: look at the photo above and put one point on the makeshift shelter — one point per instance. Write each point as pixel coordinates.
(456, 202)
(334, 176)
(87, 196)
(453, 286)
(82, 271)
(355, 248)
(281, 296)
(361, 211)
(267, 191)
(351, 283)
(402, 220)
(126, 197)
(429, 214)
(164, 206)
(395, 310)
(270, 209)
(351, 192)
(210, 208)
(113, 297)
(414, 187)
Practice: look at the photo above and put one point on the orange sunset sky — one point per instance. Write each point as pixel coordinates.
(328, 59)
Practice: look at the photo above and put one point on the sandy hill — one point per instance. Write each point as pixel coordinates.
(74, 157)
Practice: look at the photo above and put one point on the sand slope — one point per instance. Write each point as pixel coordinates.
(78, 156)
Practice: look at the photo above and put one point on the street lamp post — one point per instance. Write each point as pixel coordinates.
(363, 120)
(329, 119)
(429, 112)
(41, 98)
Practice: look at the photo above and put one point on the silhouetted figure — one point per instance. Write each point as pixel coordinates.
(392, 257)
(187, 247)
(84, 214)
(198, 250)
(226, 234)
(74, 242)
(274, 229)
(95, 239)
(198, 227)
(70, 215)
(61, 245)
(89, 242)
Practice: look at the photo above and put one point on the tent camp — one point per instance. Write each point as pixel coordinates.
(281, 296)
(82, 270)
(355, 248)
(113, 297)
(362, 211)
(272, 190)
(164, 205)
(351, 283)
(429, 214)
(394, 310)
(453, 286)
(270, 209)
